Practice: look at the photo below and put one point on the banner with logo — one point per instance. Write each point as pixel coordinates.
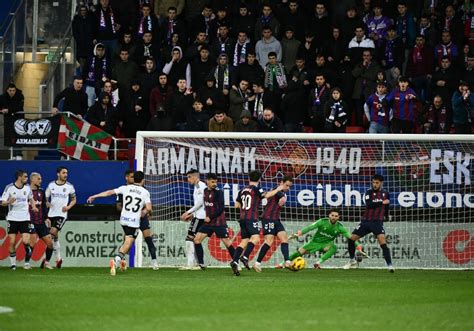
(33, 133)
(82, 140)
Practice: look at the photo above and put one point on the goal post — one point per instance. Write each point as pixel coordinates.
(431, 222)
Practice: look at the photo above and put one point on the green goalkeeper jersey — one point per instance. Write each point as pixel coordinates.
(326, 232)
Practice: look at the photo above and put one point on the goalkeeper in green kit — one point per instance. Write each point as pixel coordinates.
(327, 229)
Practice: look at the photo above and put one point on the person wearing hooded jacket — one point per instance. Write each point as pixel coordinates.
(177, 68)
(267, 44)
(246, 123)
(103, 115)
(136, 114)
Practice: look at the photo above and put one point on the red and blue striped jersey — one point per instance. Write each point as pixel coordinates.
(375, 210)
(250, 199)
(40, 202)
(403, 109)
(272, 209)
(378, 115)
(214, 205)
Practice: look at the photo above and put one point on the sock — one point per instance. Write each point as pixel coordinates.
(294, 255)
(263, 251)
(328, 254)
(151, 247)
(231, 251)
(386, 254)
(191, 255)
(13, 258)
(285, 251)
(49, 253)
(119, 257)
(237, 254)
(249, 250)
(199, 253)
(28, 252)
(351, 248)
(57, 249)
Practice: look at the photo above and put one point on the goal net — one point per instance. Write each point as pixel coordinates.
(428, 177)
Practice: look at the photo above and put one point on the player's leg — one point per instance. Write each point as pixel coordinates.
(25, 237)
(329, 251)
(193, 228)
(283, 236)
(56, 225)
(254, 230)
(263, 251)
(245, 235)
(360, 231)
(12, 230)
(49, 241)
(222, 232)
(200, 236)
(385, 251)
(147, 235)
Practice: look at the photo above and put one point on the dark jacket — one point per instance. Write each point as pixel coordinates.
(83, 32)
(97, 114)
(180, 106)
(275, 125)
(197, 121)
(74, 101)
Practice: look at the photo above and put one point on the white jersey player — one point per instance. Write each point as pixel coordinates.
(196, 214)
(136, 204)
(60, 198)
(18, 197)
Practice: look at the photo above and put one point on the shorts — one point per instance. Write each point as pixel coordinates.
(13, 227)
(313, 247)
(366, 227)
(144, 223)
(130, 232)
(272, 227)
(57, 222)
(40, 229)
(194, 227)
(221, 231)
(249, 228)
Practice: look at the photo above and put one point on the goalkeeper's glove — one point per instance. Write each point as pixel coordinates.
(293, 236)
(361, 252)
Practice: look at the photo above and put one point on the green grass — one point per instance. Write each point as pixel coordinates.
(89, 299)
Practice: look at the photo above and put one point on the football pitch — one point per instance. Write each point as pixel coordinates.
(214, 299)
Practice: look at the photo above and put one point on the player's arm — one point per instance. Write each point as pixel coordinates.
(100, 195)
(119, 202)
(272, 193)
(198, 203)
(72, 203)
(306, 229)
(238, 201)
(47, 194)
(220, 205)
(32, 202)
(146, 211)
(282, 200)
(7, 199)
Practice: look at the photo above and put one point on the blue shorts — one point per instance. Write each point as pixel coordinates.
(272, 227)
(40, 229)
(249, 228)
(366, 227)
(221, 231)
(144, 223)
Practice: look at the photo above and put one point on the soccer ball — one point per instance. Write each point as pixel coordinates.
(298, 264)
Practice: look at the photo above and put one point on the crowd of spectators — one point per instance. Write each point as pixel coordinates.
(277, 66)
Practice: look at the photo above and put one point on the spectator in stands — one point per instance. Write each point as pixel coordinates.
(211, 97)
(75, 99)
(239, 100)
(320, 23)
(137, 113)
(309, 48)
(349, 23)
(223, 43)
(98, 69)
(83, 32)
(126, 42)
(437, 117)
(266, 20)
(220, 122)
(103, 115)
(251, 70)
(240, 50)
(202, 22)
(178, 68)
(246, 123)
(106, 27)
(267, 44)
(444, 80)
(166, 51)
(405, 24)
(221, 19)
(294, 17)
(318, 97)
(428, 30)
(112, 91)
(223, 74)
(193, 50)
(290, 47)
(365, 74)
(468, 72)
(122, 74)
(263, 99)
(146, 48)
(377, 110)
(377, 24)
(452, 24)
(269, 122)
(335, 113)
(420, 67)
(244, 21)
(148, 79)
(161, 7)
(181, 102)
(172, 25)
(392, 55)
(160, 111)
(194, 8)
(148, 23)
(359, 44)
(462, 103)
(319, 67)
(201, 68)
(275, 75)
(198, 117)
(403, 102)
(11, 105)
(445, 49)
(335, 49)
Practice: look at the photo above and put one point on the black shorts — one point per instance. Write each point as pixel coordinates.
(40, 229)
(130, 232)
(13, 227)
(221, 231)
(57, 222)
(249, 228)
(272, 227)
(144, 223)
(194, 227)
(366, 227)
